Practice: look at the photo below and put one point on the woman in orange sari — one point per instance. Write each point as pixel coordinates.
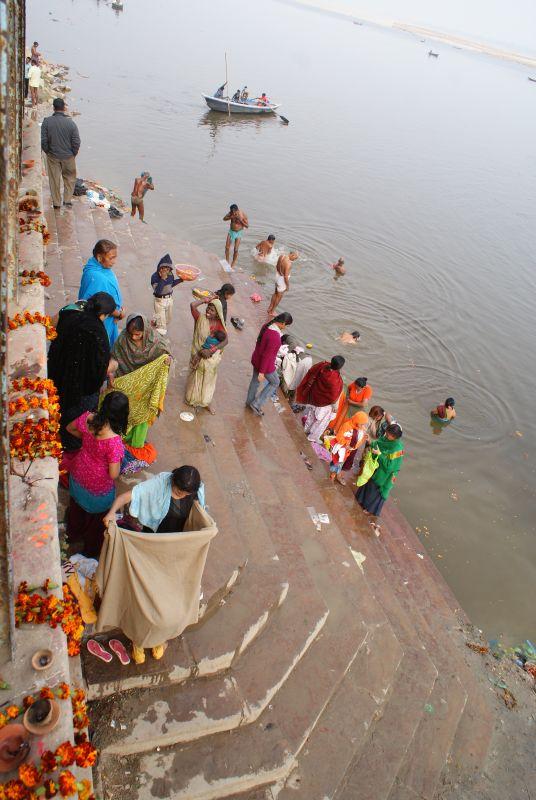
(350, 437)
(354, 399)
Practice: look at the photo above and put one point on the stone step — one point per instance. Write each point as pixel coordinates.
(342, 730)
(372, 774)
(207, 648)
(199, 708)
(251, 756)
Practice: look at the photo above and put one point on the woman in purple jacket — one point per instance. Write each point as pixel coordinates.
(263, 360)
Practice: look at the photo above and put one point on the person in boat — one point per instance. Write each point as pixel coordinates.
(445, 412)
(236, 96)
(219, 92)
(389, 450)
(263, 100)
(265, 247)
(282, 279)
(244, 95)
(238, 221)
(319, 391)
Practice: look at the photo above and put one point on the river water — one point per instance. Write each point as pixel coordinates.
(419, 171)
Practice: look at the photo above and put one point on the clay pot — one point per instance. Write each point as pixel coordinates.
(14, 747)
(41, 717)
(42, 659)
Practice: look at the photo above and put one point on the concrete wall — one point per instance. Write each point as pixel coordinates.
(12, 50)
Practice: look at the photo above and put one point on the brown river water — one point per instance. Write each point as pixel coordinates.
(419, 171)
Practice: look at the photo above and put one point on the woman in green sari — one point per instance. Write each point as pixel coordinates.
(143, 358)
(205, 360)
(390, 451)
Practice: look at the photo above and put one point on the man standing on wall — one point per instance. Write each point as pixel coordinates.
(60, 141)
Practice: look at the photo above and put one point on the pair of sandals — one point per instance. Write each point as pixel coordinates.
(96, 649)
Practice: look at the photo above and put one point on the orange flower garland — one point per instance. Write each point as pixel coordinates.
(31, 319)
(53, 611)
(31, 276)
(35, 438)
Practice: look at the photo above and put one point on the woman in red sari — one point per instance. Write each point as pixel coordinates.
(320, 391)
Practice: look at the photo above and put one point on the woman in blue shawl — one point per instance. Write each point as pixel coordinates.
(98, 276)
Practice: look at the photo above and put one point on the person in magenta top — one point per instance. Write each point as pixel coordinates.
(93, 470)
(263, 360)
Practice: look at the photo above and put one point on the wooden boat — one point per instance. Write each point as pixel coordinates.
(532, 79)
(249, 107)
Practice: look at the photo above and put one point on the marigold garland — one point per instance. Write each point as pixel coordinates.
(35, 438)
(31, 319)
(33, 608)
(31, 276)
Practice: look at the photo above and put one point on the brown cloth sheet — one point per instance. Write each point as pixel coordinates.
(149, 583)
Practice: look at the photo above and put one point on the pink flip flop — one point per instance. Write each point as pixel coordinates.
(98, 651)
(119, 649)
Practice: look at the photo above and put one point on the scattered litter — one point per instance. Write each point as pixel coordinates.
(428, 707)
(123, 727)
(477, 648)
(275, 558)
(113, 724)
(238, 323)
(508, 698)
(314, 517)
(98, 199)
(518, 433)
(500, 684)
(345, 563)
(320, 451)
(420, 555)
(306, 461)
(187, 416)
(114, 213)
(225, 265)
(324, 519)
(256, 298)
(359, 559)
(309, 346)
(453, 495)
(208, 440)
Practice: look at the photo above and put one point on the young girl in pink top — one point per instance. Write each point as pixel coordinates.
(94, 470)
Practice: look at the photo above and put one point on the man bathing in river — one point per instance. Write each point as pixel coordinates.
(141, 186)
(282, 280)
(238, 221)
(339, 267)
(265, 247)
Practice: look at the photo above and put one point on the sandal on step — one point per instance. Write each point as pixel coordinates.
(119, 649)
(98, 651)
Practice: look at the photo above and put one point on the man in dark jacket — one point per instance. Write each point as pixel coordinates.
(60, 141)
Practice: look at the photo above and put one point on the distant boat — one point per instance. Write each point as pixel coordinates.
(117, 5)
(532, 79)
(249, 107)
(434, 55)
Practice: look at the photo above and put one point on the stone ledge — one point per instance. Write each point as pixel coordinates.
(33, 497)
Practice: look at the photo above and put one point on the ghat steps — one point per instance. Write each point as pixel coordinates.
(308, 675)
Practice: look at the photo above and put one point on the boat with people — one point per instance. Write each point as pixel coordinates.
(249, 106)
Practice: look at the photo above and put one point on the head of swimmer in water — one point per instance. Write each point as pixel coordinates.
(450, 402)
(340, 262)
(356, 335)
